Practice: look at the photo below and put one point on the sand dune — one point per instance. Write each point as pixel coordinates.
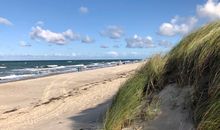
(70, 101)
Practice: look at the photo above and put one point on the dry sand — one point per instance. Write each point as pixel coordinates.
(70, 101)
(174, 110)
(170, 109)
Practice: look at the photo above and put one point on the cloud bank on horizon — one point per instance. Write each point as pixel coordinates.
(110, 39)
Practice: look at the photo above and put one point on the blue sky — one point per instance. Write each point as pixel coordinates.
(97, 29)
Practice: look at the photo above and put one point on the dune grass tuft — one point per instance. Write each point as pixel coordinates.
(195, 61)
(127, 101)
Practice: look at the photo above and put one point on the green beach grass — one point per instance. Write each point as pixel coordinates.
(195, 61)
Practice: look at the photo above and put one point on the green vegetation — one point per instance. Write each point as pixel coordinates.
(126, 103)
(195, 61)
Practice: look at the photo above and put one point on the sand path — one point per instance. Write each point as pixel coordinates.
(70, 101)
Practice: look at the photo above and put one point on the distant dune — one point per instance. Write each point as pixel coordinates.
(178, 91)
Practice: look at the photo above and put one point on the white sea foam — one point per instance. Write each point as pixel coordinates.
(52, 66)
(3, 67)
(79, 65)
(13, 76)
(60, 67)
(38, 69)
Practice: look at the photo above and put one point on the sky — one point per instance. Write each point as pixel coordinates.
(98, 29)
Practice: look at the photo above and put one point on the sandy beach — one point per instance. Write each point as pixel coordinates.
(71, 101)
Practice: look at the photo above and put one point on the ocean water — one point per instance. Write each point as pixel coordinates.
(18, 70)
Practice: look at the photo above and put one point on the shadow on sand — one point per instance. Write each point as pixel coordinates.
(92, 118)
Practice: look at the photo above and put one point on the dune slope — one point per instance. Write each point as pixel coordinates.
(194, 62)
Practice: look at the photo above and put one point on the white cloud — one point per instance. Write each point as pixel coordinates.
(74, 54)
(113, 53)
(62, 38)
(5, 21)
(104, 46)
(165, 43)
(134, 53)
(83, 10)
(87, 39)
(115, 46)
(178, 26)
(24, 44)
(113, 32)
(69, 34)
(211, 10)
(40, 23)
(139, 42)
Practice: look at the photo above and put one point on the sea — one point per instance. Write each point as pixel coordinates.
(19, 70)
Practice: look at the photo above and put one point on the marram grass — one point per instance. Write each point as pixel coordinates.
(129, 97)
(195, 61)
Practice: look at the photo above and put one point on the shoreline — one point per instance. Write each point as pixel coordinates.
(65, 101)
(60, 73)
